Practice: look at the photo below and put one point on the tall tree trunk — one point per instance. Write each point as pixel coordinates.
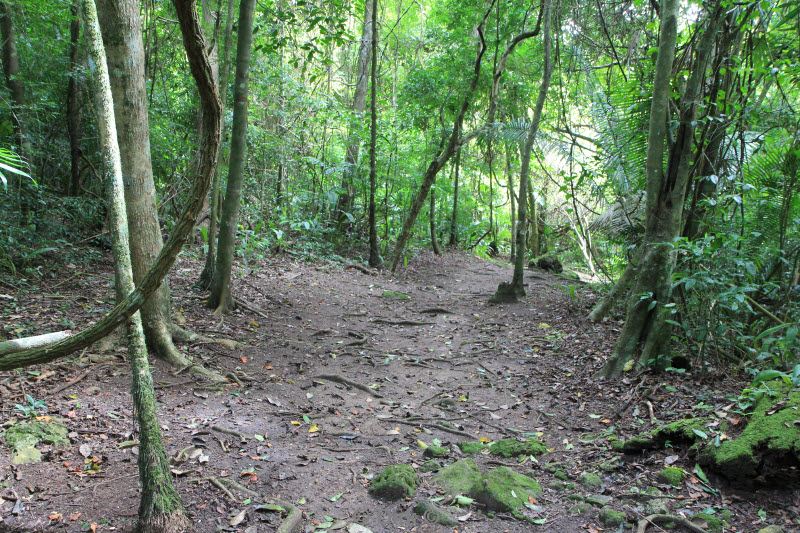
(184, 224)
(220, 298)
(73, 186)
(160, 508)
(453, 143)
(453, 241)
(213, 223)
(512, 198)
(645, 323)
(374, 250)
(122, 35)
(511, 292)
(345, 200)
(432, 216)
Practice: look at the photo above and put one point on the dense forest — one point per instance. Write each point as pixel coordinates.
(400, 265)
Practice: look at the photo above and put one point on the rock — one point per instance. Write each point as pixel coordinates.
(771, 529)
(768, 450)
(459, 477)
(591, 480)
(561, 485)
(611, 518)
(358, 528)
(432, 512)
(672, 475)
(598, 500)
(681, 431)
(550, 263)
(504, 490)
(394, 482)
(509, 448)
(654, 505)
(580, 508)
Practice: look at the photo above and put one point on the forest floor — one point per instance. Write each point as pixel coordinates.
(442, 355)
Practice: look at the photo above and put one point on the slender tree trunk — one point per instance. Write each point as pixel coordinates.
(15, 86)
(453, 143)
(184, 224)
(220, 298)
(374, 249)
(213, 224)
(512, 199)
(511, 292)
(617, 293)
(122, 35)
(645, 324)
(73, 186)
(453, 241)
(160, 508)
(345, 200)
(432, 216)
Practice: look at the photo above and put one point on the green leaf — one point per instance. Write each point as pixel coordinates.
(700, 474)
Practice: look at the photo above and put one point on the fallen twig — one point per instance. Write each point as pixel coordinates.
(401, 322)
(252, 308)
(361, 268)
(71, 382)
(436, 425)
(233, 432)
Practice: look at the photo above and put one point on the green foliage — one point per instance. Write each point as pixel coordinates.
(32, 407)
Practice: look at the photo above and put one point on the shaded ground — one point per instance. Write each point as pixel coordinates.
(443, 355)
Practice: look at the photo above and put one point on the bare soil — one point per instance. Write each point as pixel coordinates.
(442, 357)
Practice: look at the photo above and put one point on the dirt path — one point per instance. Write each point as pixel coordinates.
(430, 352)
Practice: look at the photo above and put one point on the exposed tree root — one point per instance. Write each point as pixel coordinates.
(655, 519)
(175, 522)
(344, 381)
(436, 425)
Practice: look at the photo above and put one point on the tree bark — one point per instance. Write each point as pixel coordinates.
(375, 259)
(207, 275)
(451, 146)
(160, 508)
(184, 224)
(432, 216)
(122, 35)
(220, 298)
(516, 289)
(453, 241)
(74, 131)
(645, 322)
(345, 200)
(15, 86)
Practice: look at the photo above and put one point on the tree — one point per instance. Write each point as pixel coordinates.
(645, 331)
(160, 508)
(13, 82)
(374, 252)
(72, 187)
(347, 195)
(510, 292)
(122, 35)
(220, 298)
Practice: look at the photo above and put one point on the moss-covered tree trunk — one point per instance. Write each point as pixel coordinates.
(645, 332)
(122, 35)
(453, 240)
(432, 214)
(220, 298)
(15, 86)
(344, 203)
(160, 508)
(511, 292)
(207, 275)
(375, 259)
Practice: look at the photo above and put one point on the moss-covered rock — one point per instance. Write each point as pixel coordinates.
(394, 482)
(504, 490)
(598, 500)
(471, 447)
(591, 480)
(768, 450)
(672, 475)
(580, 508)
(459, 478)
(437, 452)
(514, 448)
(560, 485)
(611, 517)
(430, 466)
(715, 522)
(23, 437)
(679, 432)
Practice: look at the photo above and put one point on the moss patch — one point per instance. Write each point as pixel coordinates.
(591, 480)
(395, 295)
(23, 437)
(471, 447)
(394, 482)
(715, 522)
(459, 477)
(514, 448)
(672, 475)
(504, 490)
(436, 452)
(769, 445)
(432, 512)
(679, 432)
(430, 466)
(611, 518)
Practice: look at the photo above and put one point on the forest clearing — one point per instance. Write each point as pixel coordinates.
(373, 266)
